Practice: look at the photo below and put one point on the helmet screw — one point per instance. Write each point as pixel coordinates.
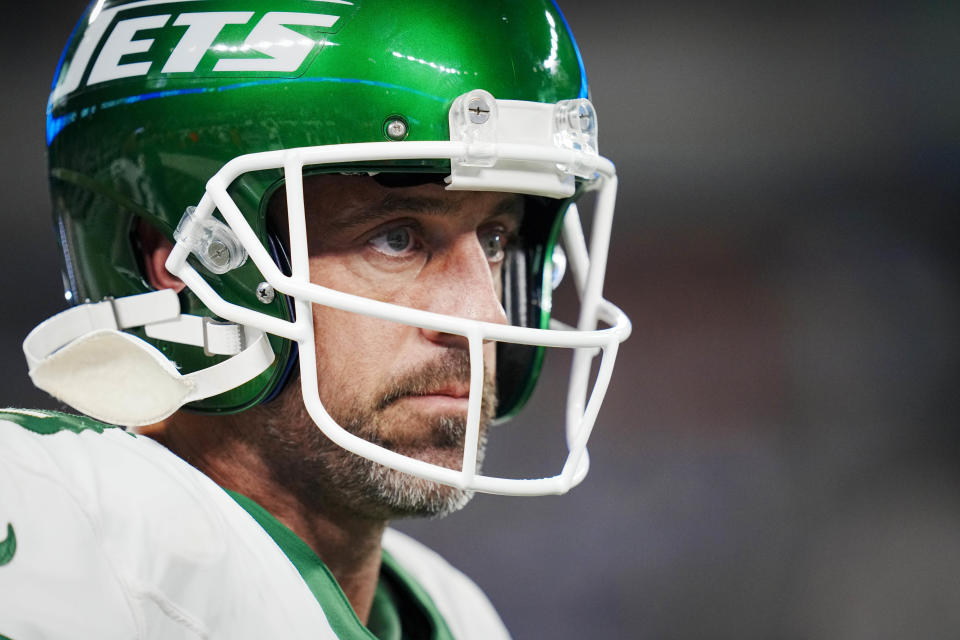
(396, 129)
(218, 253)
(479, 110)
(265, 292)
(584, 119)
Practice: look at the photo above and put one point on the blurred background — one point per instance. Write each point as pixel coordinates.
(778, 453)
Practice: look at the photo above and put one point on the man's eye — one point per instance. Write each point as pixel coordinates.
(494, 243)
(394, 242)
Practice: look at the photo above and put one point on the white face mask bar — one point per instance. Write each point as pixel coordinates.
(586, 339)
(538, 160)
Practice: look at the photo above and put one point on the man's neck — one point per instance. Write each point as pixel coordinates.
(347, 543)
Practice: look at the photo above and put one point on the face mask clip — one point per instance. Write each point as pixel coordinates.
(214, 244)
(506, 143)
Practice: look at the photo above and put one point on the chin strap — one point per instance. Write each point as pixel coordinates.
(83, 357)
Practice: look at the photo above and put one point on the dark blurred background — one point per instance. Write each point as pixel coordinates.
(778, 453)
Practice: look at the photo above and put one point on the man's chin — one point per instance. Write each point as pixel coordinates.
(432, 435)
(389, 493)
(430, 428)
(406, 495)
(447, 456)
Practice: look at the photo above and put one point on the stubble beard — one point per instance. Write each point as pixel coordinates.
(319, 469)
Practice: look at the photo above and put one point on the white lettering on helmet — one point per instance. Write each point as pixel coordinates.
(287, 48)
(121, 42)
(92, 36)
(281, 48)
(202, 30)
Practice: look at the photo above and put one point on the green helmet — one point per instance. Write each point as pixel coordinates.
(153, 99)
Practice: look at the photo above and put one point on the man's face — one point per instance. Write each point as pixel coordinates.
(399, 386)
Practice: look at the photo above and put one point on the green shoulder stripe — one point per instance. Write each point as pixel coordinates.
(50, 422)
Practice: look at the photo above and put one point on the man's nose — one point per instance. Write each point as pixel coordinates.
(462, 284)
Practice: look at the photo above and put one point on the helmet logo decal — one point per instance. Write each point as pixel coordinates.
(284, 48)
(202, 30)
(121, 42)
(287, 48)
(176, 42)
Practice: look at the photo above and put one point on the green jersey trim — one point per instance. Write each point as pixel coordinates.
(385, 621)
(314, 572)
(8, 546)
(395, 575)
(50, 422)
(402, 609)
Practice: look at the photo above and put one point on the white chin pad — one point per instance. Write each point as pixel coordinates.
(114, 377)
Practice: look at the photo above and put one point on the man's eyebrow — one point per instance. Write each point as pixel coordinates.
(393, 204)
(514, 204)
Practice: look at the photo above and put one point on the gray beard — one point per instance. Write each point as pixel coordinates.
(396, 494)
(320, 471)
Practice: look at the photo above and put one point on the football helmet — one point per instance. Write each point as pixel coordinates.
(189, 115)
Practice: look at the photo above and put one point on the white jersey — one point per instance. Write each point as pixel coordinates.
(104, 534)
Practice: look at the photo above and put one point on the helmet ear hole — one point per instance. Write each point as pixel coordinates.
(154, 248)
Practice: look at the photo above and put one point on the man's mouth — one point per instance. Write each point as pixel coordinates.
(451, 399)
(451, 391)
(441, 400)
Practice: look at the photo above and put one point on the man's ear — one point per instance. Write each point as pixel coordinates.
(155, 248)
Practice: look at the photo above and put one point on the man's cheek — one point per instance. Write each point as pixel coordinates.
(490, 357)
